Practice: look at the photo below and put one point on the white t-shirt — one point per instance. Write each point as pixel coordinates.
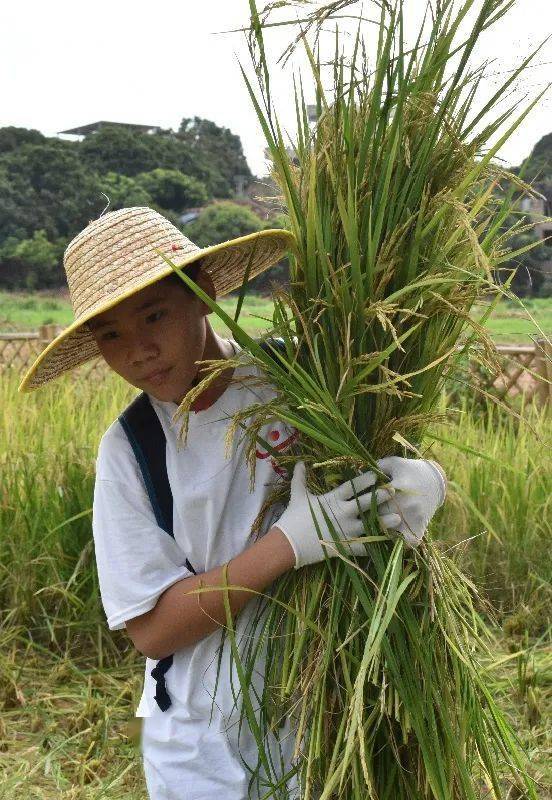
(194, 748)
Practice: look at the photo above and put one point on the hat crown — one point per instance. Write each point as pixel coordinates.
(116, 253)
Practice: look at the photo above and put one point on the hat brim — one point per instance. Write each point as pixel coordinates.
(75, 345)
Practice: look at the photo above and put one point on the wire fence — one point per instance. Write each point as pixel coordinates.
(19, 349)
(525, 369)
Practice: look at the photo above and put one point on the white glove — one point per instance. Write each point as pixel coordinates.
(298, 525)
(421, 488)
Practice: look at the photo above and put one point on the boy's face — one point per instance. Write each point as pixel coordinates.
(154, 338)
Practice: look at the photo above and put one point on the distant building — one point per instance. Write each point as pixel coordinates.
(312, 117)
(190, 215)
(94, 127)
(312, 113)
(533, 205)
(263, 198)
(539, 207)
(240, 185)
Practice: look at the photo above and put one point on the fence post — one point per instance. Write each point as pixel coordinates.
(543, 366)
(48, 333)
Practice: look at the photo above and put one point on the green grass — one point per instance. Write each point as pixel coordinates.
(509, 323)
(68, 686)
(28, 311)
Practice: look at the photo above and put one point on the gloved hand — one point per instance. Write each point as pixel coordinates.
(298, 525)
(421, 487)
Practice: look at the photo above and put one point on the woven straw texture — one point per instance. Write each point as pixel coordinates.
(114, 257)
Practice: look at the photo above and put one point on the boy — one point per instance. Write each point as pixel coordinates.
(151, 330)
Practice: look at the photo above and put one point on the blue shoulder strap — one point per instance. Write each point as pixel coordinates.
(147, 439)
(149, 445)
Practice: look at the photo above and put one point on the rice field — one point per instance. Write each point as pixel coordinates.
(68, 686)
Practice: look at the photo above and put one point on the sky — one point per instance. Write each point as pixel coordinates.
(64, 64)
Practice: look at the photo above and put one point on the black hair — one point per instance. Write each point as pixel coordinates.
(192, 271)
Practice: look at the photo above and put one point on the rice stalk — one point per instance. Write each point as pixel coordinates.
(396, 204)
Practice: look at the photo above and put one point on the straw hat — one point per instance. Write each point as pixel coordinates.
(115, 256)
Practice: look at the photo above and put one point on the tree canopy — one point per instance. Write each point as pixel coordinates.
(50, 188)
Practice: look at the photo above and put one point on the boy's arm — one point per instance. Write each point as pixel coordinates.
(180, 619)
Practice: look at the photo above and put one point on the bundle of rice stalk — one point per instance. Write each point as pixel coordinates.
(392, 198)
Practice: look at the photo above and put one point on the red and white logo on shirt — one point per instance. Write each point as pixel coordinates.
(280, 441)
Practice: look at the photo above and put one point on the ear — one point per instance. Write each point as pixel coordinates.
(205, 281)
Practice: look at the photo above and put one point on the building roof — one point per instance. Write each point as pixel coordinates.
(82, 130)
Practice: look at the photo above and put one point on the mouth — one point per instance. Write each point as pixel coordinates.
(157, 377)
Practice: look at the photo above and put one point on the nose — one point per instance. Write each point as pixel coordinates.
(141, 350)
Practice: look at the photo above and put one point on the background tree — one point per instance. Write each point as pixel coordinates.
(171, 189)
(219, 222)
(31, 263)
(11, 138)
(534, 268)
(19, 216)
(115, 149)
(127, 152)
(218, 150)
(540, 161)
(57, 186)
(124, 192)
(60, 193)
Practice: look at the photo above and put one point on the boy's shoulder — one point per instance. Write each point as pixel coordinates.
(115, 457)
(115, 437)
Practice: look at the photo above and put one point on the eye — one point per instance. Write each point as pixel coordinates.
(109, 335)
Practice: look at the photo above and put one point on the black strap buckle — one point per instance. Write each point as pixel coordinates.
(162, 697)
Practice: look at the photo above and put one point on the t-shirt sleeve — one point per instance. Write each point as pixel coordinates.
(136, 559)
